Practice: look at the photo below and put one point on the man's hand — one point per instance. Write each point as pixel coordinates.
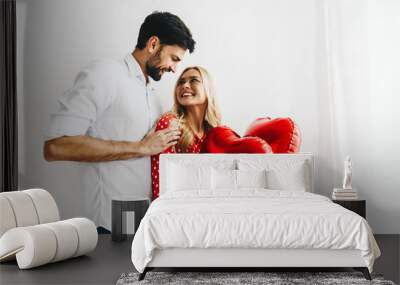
(89, 149)
(157, 141)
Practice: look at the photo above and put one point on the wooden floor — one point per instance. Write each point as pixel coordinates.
(110, 260)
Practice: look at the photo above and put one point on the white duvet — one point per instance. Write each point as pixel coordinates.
(251, 218)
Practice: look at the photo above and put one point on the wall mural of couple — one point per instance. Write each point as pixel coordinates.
(111, 119)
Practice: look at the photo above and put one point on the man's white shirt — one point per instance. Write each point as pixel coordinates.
(111, 101)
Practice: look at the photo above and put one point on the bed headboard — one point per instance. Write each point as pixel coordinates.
(238, 161)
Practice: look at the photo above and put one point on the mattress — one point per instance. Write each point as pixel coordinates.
(251, 219)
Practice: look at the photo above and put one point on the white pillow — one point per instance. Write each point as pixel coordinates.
(223, 179)
(192, 159)
(251, 178)
(282, 174)
(293, 178)
(183, 177)
(236, 179)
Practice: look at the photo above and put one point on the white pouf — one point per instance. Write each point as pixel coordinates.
(31, 232)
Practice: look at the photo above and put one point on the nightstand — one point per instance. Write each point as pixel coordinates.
(357, 206)
(122, 204)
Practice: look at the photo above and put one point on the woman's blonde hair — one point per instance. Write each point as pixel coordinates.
(212, 117)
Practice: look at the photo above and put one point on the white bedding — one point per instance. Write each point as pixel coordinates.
(250, 218)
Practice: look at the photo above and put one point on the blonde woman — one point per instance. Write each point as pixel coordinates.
(195, 113)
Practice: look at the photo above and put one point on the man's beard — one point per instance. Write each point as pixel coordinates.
(151, 66)
(153, 71)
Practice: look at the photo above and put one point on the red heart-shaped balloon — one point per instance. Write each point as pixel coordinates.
(223, 139)
(282, 134)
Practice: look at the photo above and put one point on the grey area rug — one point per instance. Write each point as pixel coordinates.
(269, 278)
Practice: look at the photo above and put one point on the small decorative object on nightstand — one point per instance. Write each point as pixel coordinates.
(357, 206)
(126, 204)
(346, 192)
(347, 173)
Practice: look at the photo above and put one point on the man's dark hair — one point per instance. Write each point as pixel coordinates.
(168, 28)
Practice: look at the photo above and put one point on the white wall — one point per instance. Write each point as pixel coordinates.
(381, 171)
(267, 58)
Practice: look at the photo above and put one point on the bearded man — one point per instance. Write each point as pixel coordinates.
(105, 120)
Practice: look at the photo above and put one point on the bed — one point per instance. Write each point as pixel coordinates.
(248, 210)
